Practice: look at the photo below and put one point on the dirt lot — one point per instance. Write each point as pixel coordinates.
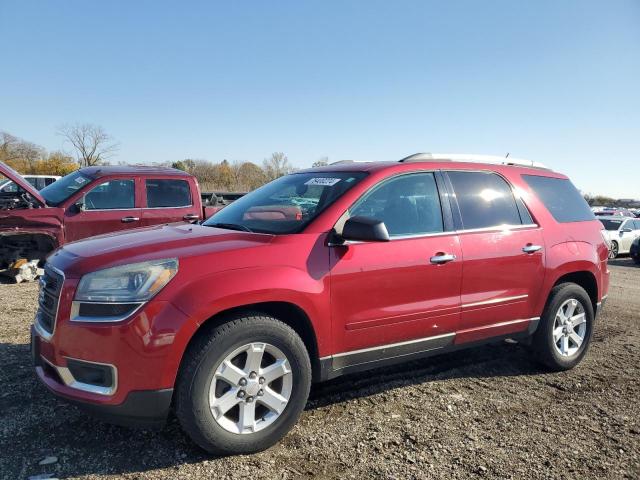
(488, 412)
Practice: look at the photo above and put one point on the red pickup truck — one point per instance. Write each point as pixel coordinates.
(88, 202)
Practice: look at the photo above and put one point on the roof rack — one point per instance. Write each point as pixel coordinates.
(473, 158)
(339, 162)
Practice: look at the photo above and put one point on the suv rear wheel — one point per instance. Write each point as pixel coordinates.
(244, 385)
(564, 334)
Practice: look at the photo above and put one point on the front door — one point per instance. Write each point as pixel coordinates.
(396, 298)
(503, 256)
(109, 206)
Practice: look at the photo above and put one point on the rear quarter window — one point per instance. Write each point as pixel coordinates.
(561, 198)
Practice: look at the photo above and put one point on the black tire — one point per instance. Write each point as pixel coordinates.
(613, 253)
(199, 366)
(543, 344)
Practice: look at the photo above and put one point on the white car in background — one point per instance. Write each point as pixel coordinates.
(621, 232)
(38, 181)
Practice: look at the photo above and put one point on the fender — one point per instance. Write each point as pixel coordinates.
(583, 259)
(209, 295)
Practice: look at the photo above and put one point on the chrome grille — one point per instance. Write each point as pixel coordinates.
(48, 298)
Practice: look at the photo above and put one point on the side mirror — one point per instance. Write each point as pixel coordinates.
(80, 205)
(365, 229)
(626, 230)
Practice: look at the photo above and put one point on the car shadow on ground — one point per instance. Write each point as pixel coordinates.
(624, 262)
(42, 425)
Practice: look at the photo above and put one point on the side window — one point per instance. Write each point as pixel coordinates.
(485, 200)
(636, 224)
(168, 193)
(408, 205)
(48, 181)
(114, 194)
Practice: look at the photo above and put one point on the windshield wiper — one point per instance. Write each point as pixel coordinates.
(231, 226)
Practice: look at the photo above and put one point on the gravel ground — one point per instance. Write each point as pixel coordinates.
(489, 412)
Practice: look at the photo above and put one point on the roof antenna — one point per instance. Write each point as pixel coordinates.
(507, 155)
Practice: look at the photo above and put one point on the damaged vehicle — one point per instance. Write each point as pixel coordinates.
(88, 202)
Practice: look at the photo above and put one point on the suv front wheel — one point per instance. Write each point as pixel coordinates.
(566, 325)
(243, 385)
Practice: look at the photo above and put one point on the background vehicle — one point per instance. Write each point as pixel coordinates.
(91, 201)
(37, 181)
(621, 232)
(634, 251)
(613, 212)
(318, 274)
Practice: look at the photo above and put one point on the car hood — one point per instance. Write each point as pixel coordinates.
(11, 174)
(150, 243)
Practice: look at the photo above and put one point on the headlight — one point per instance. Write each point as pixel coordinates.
(115, 293)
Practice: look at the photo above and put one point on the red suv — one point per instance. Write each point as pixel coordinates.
(320, 273)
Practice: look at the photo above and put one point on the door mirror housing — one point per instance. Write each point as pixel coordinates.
(626, 230)
(365, 229)
(80, 206)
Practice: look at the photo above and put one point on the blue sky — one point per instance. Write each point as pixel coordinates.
(553, 81)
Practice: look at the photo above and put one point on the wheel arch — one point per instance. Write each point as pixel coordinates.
(288, 313)
(584, 279)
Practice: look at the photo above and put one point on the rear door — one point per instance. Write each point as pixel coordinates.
(109, 206)
(503, 253)
(169, 200)
(390, 299)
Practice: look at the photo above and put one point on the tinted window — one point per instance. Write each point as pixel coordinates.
(610, 224)
(408, 205)
(168, 193)
(636, 224)
(561, 198)
(287, 204)
(111, 195)
(48, 181)
(485, 200)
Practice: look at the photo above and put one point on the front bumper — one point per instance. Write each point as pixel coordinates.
(139, 358)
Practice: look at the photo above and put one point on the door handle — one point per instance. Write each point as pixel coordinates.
(441, 258)
(130, 219)
(531, 248)
(190, 217)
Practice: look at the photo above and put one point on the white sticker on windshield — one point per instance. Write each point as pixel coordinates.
(323, 182)
(80, 180)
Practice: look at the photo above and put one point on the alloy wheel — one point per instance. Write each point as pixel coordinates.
(251, 388)
(570, 327)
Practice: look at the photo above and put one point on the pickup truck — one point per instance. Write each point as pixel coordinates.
(88, 202)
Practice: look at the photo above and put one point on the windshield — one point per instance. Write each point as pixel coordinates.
(611, 224)
(287, 204)
(59, 191)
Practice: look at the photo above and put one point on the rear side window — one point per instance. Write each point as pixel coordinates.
(485, 200)
(168, 193)
(561, 198)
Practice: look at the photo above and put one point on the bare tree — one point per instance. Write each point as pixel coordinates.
(276, 166)
(20, 154)
(92, 144)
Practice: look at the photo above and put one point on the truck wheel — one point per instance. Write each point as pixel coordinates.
(243, 385)
(613, 253)
(564, 333)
